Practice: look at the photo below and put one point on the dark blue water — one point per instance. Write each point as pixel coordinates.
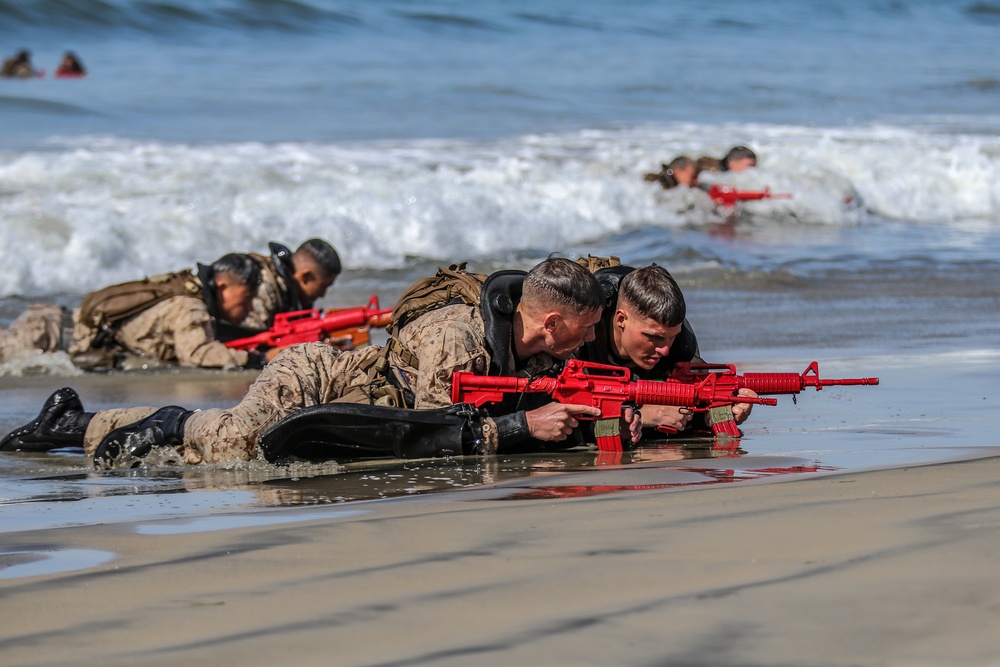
(247, 70)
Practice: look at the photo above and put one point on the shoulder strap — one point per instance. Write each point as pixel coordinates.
(500, 295)
(610, 279)
(281, 257)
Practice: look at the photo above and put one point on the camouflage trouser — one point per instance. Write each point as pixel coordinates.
(299, 377)
(38, 328)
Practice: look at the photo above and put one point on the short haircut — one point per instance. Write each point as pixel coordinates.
(738, 153)
(242, 267)
(652, 292)
(680, 162)
(561, 282)
(324, 254)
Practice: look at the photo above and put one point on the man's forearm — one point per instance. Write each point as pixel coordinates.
(512, 428)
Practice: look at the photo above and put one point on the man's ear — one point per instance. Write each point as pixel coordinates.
(551, 321)
(620, 318)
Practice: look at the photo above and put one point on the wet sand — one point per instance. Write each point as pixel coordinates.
(640, 564)
(888, 567)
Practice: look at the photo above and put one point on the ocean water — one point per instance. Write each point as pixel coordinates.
(408, 131)
(412, 134)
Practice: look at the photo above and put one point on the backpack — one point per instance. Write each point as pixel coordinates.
(593, 264)
(448, 286)
(111, 305)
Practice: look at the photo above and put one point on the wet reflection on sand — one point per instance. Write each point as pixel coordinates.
(16, 564)
(60, 490)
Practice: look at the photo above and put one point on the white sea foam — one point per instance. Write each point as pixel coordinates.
(88, 212)
(33, 363)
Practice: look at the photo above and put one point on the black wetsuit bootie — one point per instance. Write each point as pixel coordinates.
(61, 423)
(126, 446)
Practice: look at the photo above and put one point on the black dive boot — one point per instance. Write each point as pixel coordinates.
(61, 423)
(126, 446)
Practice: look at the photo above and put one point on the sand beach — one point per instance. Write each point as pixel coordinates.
(859, 526)
(794, 561)
(888, 567)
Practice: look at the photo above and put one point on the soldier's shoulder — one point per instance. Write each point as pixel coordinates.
(458, 320)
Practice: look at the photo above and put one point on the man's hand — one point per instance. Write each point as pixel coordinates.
(633, 421)
(742, 410)
(555, 421)
(670, 416)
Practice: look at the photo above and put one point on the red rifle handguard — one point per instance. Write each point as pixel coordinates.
(307, 326)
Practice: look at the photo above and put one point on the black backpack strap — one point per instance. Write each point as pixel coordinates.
(285, 268)
(610, 279)
(498, 301)
(206, 276)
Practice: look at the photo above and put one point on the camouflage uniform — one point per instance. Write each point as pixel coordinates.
(272, 296)
(442, 341)
(299, 377)
(176, 330)
(39, 328)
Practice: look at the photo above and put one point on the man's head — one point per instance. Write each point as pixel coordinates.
(316, 265)
(561, 302)
(235, 278)
(739, 158)
(684, 170)
(648, 317)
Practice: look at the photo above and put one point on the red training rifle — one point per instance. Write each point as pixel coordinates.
(598, 385)
(711, 388)
(728, 196)
(724, 377)
(344, 327)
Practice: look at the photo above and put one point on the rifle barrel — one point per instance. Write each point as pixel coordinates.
(849, 382)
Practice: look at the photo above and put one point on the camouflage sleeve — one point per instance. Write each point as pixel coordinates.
(193, 331)
(446, 340)
(39, 328)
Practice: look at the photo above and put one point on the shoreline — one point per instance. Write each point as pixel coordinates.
(887, 560)
(888, 566)
(927, 408)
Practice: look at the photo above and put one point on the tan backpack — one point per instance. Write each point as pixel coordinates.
(452, 285)
(111, 305)
(593, 264)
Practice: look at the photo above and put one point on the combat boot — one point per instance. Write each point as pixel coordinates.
(126, 446)
(61, 423)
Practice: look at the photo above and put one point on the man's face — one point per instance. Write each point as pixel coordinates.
(235, 300)
(687, 175)
(741, 163)
(312, 282)
(641, 339)
(313, 288)
(567, 332)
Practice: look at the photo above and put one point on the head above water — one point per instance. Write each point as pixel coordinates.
(235, 278)
(561, 303)
(316, 266)
(684, 170)
(739, 158)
